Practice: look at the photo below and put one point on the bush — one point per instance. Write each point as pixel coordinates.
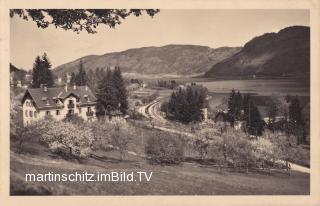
(67, 139)
(163, 149)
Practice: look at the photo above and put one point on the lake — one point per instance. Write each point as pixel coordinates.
(259, 87)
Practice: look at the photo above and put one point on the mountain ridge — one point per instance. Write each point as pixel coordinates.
(285, 53)
(169, 59)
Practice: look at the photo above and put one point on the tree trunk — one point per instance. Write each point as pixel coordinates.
(20, 145)
(247, 166)
(287, 167)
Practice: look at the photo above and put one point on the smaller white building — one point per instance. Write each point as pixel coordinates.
(58, 102)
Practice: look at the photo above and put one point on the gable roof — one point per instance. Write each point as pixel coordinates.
(46, 99)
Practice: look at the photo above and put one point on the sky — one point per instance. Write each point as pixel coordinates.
(213, 28)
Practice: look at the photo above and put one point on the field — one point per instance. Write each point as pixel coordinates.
(187, 179)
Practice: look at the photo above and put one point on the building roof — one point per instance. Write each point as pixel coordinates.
(46, 99)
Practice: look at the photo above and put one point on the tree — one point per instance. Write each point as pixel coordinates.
(78, 19)
(13, 114)
(107, 95)
(296, 122)
(237, 149)
(231, 108)
(254, 123)
(164, 148)
(91, 80)
(121, 138)
(186, 105)
(235, 107)
(73, 79)
(41, 73)
(272, 113)
(121, 91)
(81, 77)
(59, 135)
(48, 76)
(201, 146)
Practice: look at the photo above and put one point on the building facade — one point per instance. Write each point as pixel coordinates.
(58, 102)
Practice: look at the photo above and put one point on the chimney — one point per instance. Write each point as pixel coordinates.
(74, 87)
(45, 88)
(66, 88)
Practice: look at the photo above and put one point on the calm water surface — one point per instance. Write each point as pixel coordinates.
(259, 87)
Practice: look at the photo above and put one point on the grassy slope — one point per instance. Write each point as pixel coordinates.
(188, 179)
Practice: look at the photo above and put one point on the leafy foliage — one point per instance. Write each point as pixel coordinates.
(164, 149)
(79, 19)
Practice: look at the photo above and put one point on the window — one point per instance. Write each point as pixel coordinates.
(31, 114)
(35, 114)
(26, 113)
(47, 112)
(58, 112)
(89, 109)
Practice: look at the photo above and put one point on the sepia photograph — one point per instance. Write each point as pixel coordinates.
(151, 101)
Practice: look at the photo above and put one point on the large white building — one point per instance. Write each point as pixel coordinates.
(58, 102)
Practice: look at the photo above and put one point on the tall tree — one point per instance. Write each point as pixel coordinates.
(107, 95)
(272, 114)
(73, 79)
(186, 105)
(232, 107)
(41, 73)
(238, 106)
(121, 91)
(81, 76)
(296, 121)
(254, 122)
(91, 80)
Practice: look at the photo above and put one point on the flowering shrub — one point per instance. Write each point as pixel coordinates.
(67, 138)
